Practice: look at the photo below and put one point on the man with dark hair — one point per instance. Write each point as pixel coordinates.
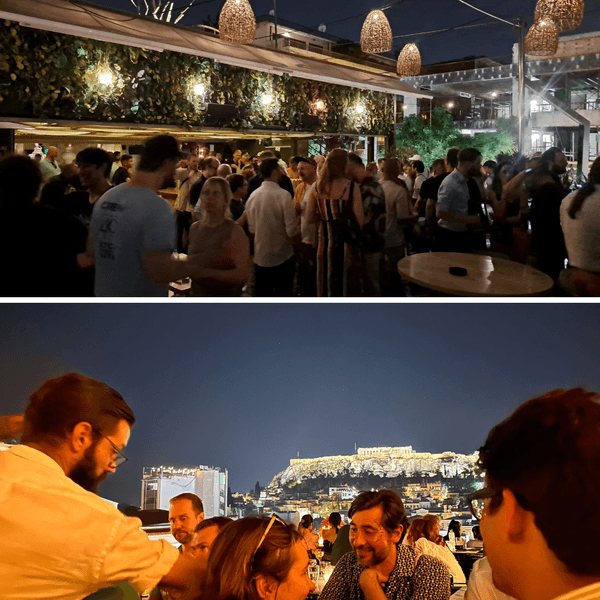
(381, 567)
(186, 511)
(536, 461)
(208, 169)
(557, 162)
(255, 182)
(272, 220)
(417, 169)
(205, 534)
(123, 173)
(43, 238)
(59, 540)
(372, 238)
(425, 204)
(453, 204)
(132, 234)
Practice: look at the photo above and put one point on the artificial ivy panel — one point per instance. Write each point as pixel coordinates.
(51, 75)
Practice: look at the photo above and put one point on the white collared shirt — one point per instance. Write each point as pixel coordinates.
(60, 541)
(271, 217)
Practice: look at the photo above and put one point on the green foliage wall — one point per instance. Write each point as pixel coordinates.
(50, 75)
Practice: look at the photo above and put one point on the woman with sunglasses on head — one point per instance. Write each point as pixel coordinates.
(257, 558)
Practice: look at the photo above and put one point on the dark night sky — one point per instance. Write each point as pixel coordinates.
(344, 19)
(247, 386)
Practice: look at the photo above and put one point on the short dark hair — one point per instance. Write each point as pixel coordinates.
(96, 157)
(452, 157)
(547, 453)
(355, 159)
(60, 403)
(394, 514)
(20, 181)
(126, 157)
(195, 500)
(219, 522)
(156, 151)
(236, 181)
(206, 163)
(468, 155)
(550, 154)
(438, 162)
(307, 159)
(418, 165)
(267, 166)
(490, 164)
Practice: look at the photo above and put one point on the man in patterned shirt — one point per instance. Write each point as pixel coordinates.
(539, 510)
(380, 567)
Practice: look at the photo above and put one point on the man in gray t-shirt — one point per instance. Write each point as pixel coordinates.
(132, 233)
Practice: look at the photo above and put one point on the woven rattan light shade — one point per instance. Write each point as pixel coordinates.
(376, 33)
(237, 23)
(542, 39)
(567, 14)
(409, 61)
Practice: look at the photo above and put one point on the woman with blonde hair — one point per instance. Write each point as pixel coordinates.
(257, 558)
(220, 244)
(336, 204)
(424, 535)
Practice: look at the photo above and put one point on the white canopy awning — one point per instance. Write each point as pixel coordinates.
(97, 23)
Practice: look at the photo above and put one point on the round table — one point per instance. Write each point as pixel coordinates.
(486, 276)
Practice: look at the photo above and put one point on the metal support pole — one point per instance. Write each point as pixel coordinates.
(275, 19)
(521, 113)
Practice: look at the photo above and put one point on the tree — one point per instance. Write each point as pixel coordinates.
(432, 141)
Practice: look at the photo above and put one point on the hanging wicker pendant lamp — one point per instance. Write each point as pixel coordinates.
(237, 24)
(409, 61)
(376, 33)
(567, 14)
(542, 39)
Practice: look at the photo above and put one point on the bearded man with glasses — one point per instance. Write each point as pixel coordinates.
(380, 567)
(539, 510)
(59, 540)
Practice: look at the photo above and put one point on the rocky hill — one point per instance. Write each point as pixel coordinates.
(389, 462)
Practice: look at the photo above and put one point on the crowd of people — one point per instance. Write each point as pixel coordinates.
(60, 540)
(322, 226)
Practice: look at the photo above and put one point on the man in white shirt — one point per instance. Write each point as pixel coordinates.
(59, 540)
(272, 220)
(536, 462)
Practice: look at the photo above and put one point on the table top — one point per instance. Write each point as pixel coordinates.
(486, 275)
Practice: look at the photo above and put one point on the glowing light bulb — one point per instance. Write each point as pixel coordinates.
(320, 104)
(199, 89)
(360, 109)
(105, 77)
(267, 99)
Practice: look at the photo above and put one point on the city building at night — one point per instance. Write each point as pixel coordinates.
(160, 484)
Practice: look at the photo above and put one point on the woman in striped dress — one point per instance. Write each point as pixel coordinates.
(334, 202)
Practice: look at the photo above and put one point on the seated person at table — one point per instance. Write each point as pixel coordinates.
(477, 541)
(341, 545)
(205, 534)
(380, 567)
(330, 534)
(310, 537)
(257, 558)
(453, 537)
(424, 535)
(533, 555)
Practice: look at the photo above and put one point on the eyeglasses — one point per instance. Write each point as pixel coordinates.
(477, 504)
(477, 500)
(274, 518)
(120, 458)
